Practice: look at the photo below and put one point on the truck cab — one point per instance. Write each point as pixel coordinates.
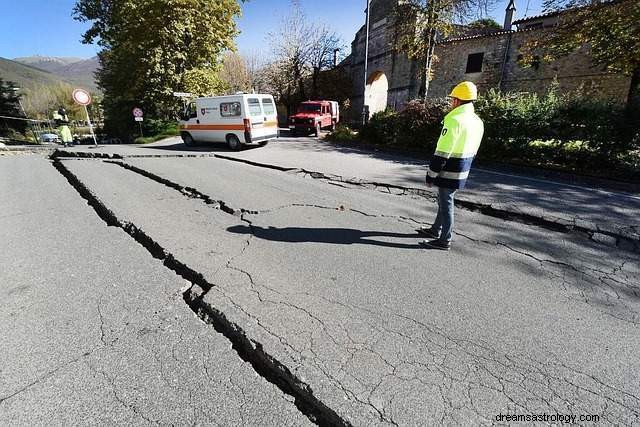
(313, 116)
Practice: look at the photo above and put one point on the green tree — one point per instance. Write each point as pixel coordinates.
(485, 23)
(419, 24)
(10, 107)
(609, 28)
(152, 48)
(42, 100)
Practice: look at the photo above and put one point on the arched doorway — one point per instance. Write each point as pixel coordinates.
(377, 92)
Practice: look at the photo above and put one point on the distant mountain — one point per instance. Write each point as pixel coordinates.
(26, 76)
(48, 63)
(77, 71)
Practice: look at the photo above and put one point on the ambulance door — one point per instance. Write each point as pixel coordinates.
(191, 123)
(270, 116)
(257, 117)
(231, 119)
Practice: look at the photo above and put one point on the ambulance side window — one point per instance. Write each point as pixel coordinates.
(254, 107)
(230, 109)
(267, 105)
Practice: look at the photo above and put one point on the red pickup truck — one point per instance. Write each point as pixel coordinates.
(313, 116)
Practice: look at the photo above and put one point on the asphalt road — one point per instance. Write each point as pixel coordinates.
(278, 299)
(601, 210)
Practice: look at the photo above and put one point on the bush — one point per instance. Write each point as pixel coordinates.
(160, 127)
(381, 128)
(342, 133)
(420, 123)
(569, 132)
(563, 132)
(155, 130)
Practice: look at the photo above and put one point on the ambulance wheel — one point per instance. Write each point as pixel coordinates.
(317, 132)
(187, 139)
(234, 143)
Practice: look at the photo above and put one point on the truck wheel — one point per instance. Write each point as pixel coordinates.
(294, 133)
(318, 130)
(263, 143)
(187, 139)
(234, 143)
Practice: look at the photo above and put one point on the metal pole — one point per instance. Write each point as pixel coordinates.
(95, 141)
(366, 66)
(140, 124)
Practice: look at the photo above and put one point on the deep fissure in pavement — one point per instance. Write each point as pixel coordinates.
(249, 350)
(621, 242)
(597, 235)
(220, 204)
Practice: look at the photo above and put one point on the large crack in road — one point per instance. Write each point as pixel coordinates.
(591, 232)
(250, 351)
(599, 276)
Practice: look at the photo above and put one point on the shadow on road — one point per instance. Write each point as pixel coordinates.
(336, 236)
(202, 147)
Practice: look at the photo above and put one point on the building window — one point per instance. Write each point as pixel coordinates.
(474, 63)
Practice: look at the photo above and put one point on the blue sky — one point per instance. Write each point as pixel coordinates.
(45, 27)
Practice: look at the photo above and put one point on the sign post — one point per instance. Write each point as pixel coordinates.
(82, 97)
(137, 116)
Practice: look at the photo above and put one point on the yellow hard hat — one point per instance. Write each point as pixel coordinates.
(465, 91)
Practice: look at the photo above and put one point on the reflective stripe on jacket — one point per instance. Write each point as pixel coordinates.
(457, 146)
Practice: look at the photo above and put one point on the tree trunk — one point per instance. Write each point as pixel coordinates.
(633, 97)
(427, 71)
(432, 22)
(314, 82)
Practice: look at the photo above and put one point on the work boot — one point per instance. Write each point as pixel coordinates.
(428, 232)
(436, 244)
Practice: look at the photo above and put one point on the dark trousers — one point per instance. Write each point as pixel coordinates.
(444, 220)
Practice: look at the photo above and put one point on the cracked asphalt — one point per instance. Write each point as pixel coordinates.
(205, 290)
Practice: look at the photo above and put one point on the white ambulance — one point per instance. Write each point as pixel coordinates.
(235, 119)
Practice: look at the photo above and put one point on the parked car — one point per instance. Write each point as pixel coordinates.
(313, 116)
(50, 137)
(236, 119)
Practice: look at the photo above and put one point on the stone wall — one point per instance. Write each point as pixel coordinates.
(399, 70)
(500, 68)
(574, 73)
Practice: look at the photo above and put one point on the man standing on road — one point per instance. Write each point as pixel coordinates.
(449, 168)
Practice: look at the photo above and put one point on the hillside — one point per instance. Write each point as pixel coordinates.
(25, 76)
(47, 63)
(78, 71)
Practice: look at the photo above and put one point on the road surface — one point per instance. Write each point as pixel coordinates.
(169, 286)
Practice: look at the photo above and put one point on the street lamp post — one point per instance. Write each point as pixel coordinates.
(366, 66)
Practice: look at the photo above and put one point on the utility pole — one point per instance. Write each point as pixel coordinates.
(366, 66)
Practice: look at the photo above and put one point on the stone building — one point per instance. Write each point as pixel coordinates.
(490, 59)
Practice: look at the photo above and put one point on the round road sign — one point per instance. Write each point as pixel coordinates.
(137, 112)
(81, 97)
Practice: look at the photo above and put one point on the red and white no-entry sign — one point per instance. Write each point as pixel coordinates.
(82, 97)
(137, 112)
